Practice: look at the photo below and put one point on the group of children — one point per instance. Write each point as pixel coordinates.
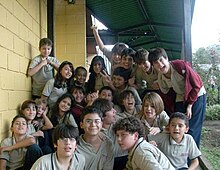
(128, 119)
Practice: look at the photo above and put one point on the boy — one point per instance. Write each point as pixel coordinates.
(66, 155)
(94, 145)
(178, 146)
(141, 154)
(109, 118)
(188, 93)
(41, 67)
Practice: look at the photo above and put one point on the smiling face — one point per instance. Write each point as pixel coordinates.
(129, 102)
(162, 65)
(78, 95)
(145, 66)
(177, 129)
(126, 62)
(106, 94)
(65, 147)
(81, 76)
(45, 50)
(149, 110)
(19, 126)
(91, 124)
(126, 140)
(29, 112)
(97, 67)
(66, 72)
(65, 105)
(118, 82)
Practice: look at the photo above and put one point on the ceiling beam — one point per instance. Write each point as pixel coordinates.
(157, 41)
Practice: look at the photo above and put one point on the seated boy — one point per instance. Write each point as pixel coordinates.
(141, 154)
(66, 155)
(94, 145)
(178, 146)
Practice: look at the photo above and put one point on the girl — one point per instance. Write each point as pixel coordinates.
(80, 77)
(58, 86)
(127, 103)
(96, 80)
(16, 150)
(61, 111)
(153, 116)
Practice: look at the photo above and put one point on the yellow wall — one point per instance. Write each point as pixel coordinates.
(70, 32)
(22, 24)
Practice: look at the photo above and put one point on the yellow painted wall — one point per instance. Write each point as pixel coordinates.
(22, 24)
(70, 32)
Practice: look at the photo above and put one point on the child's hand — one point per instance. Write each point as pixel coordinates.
(153, 143)
(44, 61)
(46, 111)
(131, 81)
(94, 27)
(106, 77)
(35, 123)
(38, 133)
(91, 97)
(154, 130)
(4, 148)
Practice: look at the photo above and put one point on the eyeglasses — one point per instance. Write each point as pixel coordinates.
(90, 121)
(67, 139)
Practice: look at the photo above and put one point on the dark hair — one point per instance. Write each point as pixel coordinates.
(106, 88)
(156, 53)
(121, 71)
(55, 109)
(155, 100)
(80, 68)
(58, 83)
(123, 95)
(40, 101)
(64, 131)
(26, 104)
(118, 48)
(80, 88)
(45, 41)
(17, 117)
(103, 105)
(129, 124)
(141, 56)
(128, 52)
(92, 76)
(181, 116)
(90, 110)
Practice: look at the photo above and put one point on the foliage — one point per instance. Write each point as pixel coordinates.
(213, 112)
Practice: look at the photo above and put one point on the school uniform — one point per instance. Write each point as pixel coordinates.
(161, 121)
(50, 162)
(177, 153)
(135, 113)
(43, 75)
(146, 156)
(99, 82)
(101, 159)
(53, 93)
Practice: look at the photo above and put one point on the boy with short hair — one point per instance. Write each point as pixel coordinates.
(178, 146)
(94, 145)
(141, 154)
(41, 67)
(66, 156)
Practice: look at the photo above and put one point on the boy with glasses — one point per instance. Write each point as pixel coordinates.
(94, 145)
(66, 155)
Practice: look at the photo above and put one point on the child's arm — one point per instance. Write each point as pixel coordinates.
(21, 144)
(97, 37)
(3, 164)
(47, 123)
(38, 133)
(32, 71)
(54, 65)
(194, 164)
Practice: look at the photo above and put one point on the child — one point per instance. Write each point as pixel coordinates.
(128, 105)
(66, 156)
(41, 121)
(114, 55)
(141, 154)
(178, 146)
(79, 95)
(20, 150)
(153, 116)
(145, 72)
(80, 78)
(109, 118)
(94, 145)
(59, 85)
(189, 95)
(96, 81)
(28, 109)
(41, 67)
(61, 111)
(120, 83)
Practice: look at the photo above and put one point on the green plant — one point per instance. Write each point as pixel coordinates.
(213, 112)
